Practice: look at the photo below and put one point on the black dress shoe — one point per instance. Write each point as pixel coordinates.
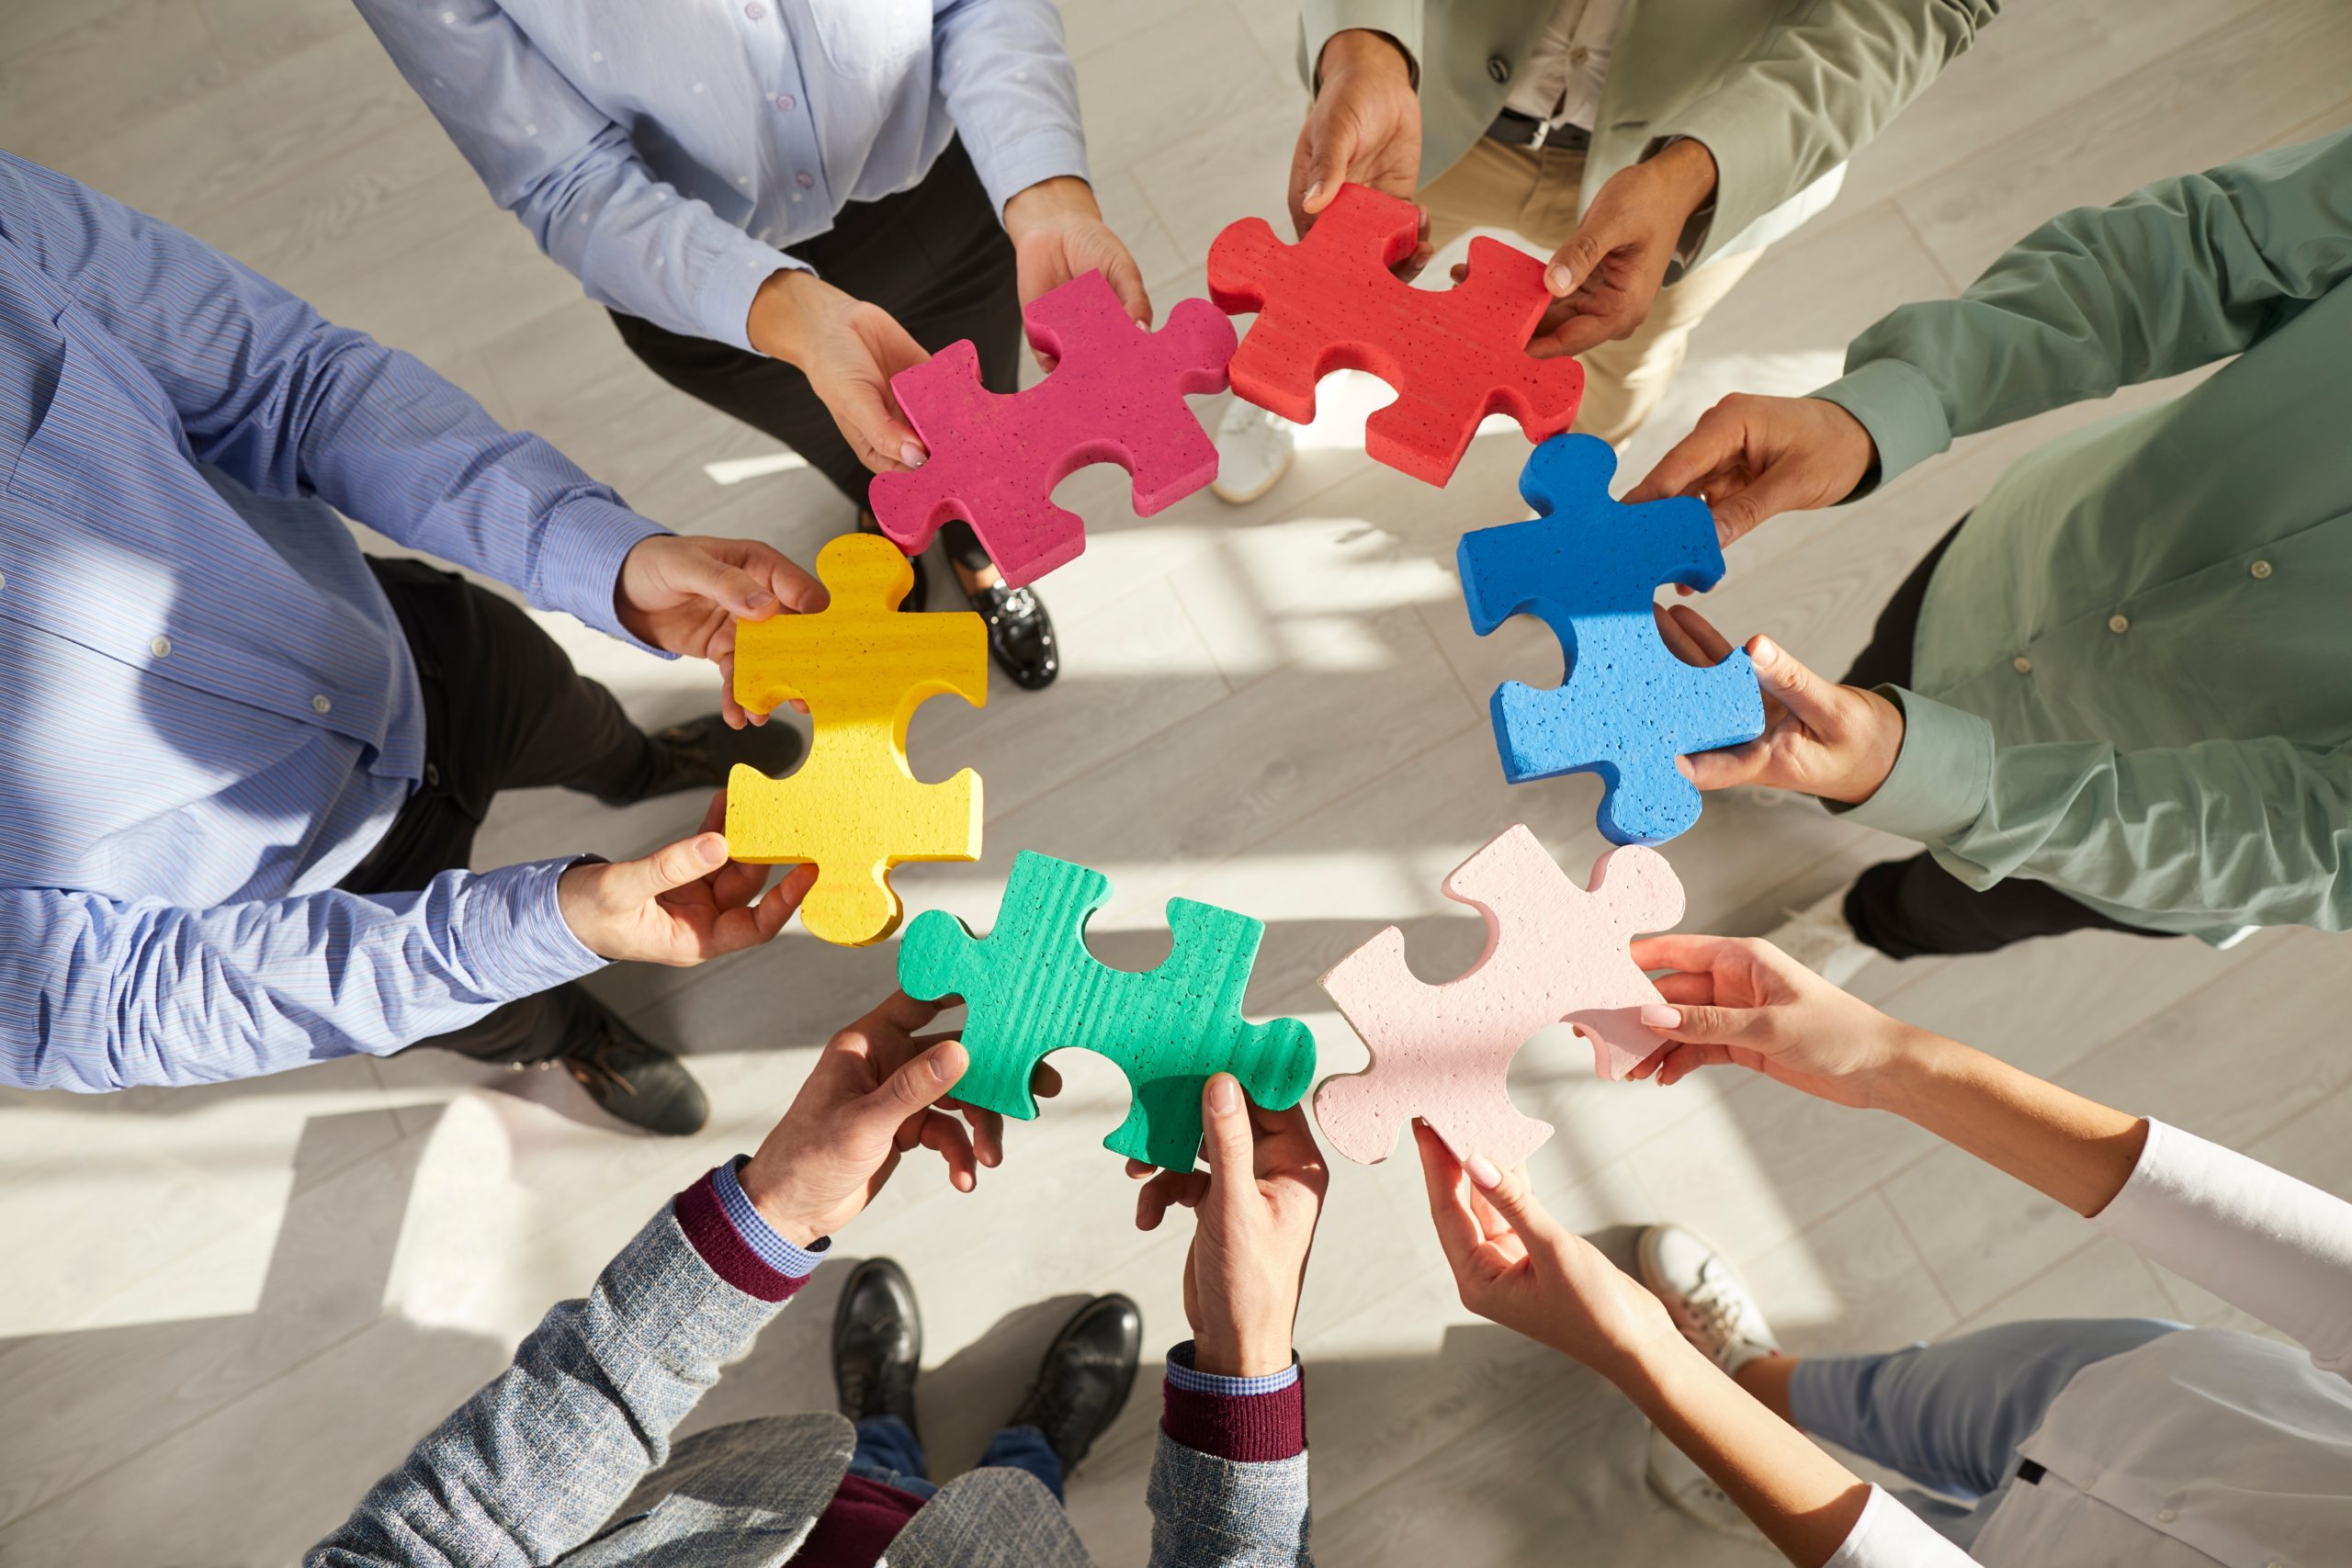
(1086, 1377)
(919, 594)
(877, 1343)
(634, 1079)
(1021, 635)
(699, 753)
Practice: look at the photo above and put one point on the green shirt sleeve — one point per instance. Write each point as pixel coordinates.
(1812, 92)
(2250, 831)
(2177, 274)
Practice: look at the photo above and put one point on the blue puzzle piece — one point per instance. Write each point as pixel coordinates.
(1590, 567)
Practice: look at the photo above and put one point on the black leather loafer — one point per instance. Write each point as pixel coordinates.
(635, 1080)
(1086, 1377)
(699, 753)
(877, 1343)
(1021, 635)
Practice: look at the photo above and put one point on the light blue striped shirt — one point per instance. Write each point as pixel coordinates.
(208, 713)
(670, 154)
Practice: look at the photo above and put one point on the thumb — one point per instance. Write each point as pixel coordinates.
(1334, 147)
(673, 866)
(742, 594)
(919, 1084)
(1706, 1026)
(1576, 261)
(1226, 1135)
(1512, 1198)
(1805, 694)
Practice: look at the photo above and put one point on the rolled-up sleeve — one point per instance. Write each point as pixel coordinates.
(1006, 76)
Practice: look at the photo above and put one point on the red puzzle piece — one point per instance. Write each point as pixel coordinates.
(1330, 303)
(1116, 396)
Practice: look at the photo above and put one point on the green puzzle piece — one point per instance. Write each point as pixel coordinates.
(1031, 987)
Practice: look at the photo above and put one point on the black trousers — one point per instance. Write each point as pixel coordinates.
(1913, 908)
(935, 257)
(504, 709)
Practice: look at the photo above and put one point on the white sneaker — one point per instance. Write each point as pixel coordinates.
(1818, 937)
(1253, 452)
(1705, 1296)
(1688, 1491)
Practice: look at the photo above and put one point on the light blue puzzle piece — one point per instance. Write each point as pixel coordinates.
(1590, 567)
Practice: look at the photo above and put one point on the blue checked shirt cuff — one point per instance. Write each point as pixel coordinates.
(793, 1262)
(580, 565)
(1182, 1374)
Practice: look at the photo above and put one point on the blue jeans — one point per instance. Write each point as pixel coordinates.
(889, 1452)
(1950, 1416)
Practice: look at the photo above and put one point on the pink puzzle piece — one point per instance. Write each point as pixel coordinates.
(1555, 953)
(1116, 396)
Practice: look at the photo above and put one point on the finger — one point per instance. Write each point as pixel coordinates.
(1509, 1194)
(1331, 146)
(1580, 257)
(698, 571)
(917, 1085)
(1139, 1169)
(1699, 990)
(1231, 1147)
(1045, 1083)
(1127, 281)
(1458, 1232)
(1707, 1024)
(1582, 330)
(905, 1013)
(1712, 646)
(988, 1135)
(944, 1134)
(1169, 1188)
(1712, 444)
(1690, 951)
(1681, 1060)
(670, 866)
(884, 443)
(777, 906)
(1813, 701)
(794, 588)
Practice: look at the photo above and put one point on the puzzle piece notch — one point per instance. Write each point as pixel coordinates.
(1555, 953)
(1589, 568)
(1452, 356)
(1116, 396)
(853, 807)
(1031, 987)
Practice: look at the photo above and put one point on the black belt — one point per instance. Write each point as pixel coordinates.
(1516, 129)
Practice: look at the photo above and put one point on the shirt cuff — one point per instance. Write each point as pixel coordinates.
(1008, 168)
(1941, 778)
(743, 1249)
(1897, 404)
(586, 540)
(1246, 1420)
(731, 280)
(515, 939)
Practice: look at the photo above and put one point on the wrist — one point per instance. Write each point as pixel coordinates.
(1240, 1355)
(1363, 51)
(1919, 1068)
(1685, 171)
(1882, 747)
(781, 310)
(1064, 195)
(1649, 1361)
(770, 1193)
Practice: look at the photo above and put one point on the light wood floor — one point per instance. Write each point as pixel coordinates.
(228, 1310)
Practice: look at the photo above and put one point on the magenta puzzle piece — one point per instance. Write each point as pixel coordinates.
(1116, 396)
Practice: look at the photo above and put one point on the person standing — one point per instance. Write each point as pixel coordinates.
(1652, 147)
(784, 204)
(242, 764)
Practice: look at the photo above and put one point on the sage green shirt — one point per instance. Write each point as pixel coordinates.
(2133, 668)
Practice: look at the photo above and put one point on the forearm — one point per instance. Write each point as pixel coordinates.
(2073, 1149)
(1337, 32)
(1805, 1501)
(136, 994)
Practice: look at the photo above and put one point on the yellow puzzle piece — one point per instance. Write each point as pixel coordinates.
(853, 806)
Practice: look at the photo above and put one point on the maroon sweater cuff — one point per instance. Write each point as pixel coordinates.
(714, 1236)
(1248, 1428)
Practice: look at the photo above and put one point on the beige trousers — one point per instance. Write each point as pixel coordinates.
(1533, 193)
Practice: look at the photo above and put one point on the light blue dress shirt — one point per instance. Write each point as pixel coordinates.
(670, 154)
(208, 713)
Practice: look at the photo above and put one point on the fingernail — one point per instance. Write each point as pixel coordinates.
(1314, 190)
(712, 848)
(1560, 279)
(1225, 1095)
(945, 1062)
(760, 600)
(912, 455)
(1765, 651)
(1656, 1017)
(1482, 1171)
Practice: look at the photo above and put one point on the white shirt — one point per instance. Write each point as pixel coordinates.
(2203, 1447)
(1561, 79)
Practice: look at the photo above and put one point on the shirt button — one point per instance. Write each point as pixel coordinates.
(1578, 55)
(2119, 623)
(161, 648)
(2166, 1516)
(433, 774)
(1497, 69)
(2021, 664)
(2260, 568)
(808, 180)
(3, 580)
(786, 102)
(320, 704)
(755, 10)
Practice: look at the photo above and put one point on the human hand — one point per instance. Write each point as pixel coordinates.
(1364, 127)
(1256, 1204)
(1745, 1002)
(849, 350)
(875, 1093)
(1838, 742)
(681, 904)
(1057, 234)
(1517, 1266)
(1606, 276)
(1750, 458)
(684, 593)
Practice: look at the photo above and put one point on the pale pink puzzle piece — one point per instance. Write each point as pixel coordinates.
(1116, 396)
(1555, 953)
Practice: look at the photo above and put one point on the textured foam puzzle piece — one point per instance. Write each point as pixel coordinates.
(1031, 987)
(1330, 303)
(1116, 396)
(1555, 953)
(853, 806)
(1590, 567)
